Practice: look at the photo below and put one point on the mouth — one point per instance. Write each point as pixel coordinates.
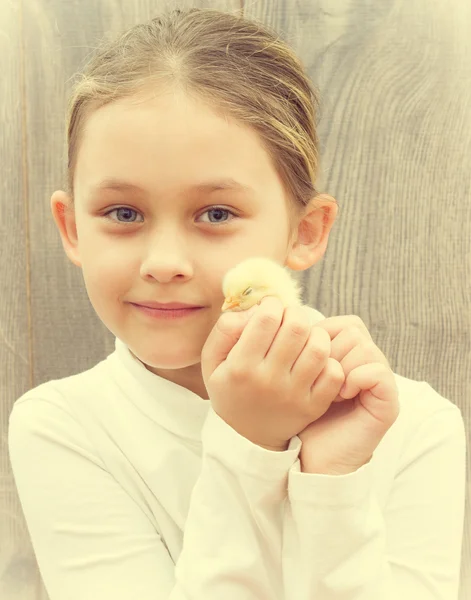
(167, 313)
(165, 305)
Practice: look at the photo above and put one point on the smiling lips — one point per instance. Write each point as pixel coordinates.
(165, 305)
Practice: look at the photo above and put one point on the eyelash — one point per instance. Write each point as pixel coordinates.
(133, 210)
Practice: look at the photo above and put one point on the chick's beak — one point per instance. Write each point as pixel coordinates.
(229, 303)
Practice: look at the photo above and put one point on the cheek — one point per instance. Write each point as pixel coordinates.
(106, 274)
(217, 291)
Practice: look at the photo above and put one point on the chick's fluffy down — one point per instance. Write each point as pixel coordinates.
(254, 278)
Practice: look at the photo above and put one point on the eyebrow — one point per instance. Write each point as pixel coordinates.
(226, 183)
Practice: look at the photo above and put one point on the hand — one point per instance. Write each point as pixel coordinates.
(268, 372)
(347, 434)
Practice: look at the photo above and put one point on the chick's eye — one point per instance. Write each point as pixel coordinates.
(247, 291)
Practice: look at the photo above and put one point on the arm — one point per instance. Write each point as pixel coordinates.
(340, 545)
(92, 540)
(238, 505)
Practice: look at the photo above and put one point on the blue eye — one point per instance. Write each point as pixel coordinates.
(216, 209)
(120, 208)
(220, 210)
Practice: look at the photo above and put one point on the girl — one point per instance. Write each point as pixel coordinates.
(173, 469)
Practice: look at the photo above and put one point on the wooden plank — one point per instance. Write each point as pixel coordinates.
(18, 578)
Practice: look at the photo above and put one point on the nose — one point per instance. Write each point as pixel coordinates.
(167, 256)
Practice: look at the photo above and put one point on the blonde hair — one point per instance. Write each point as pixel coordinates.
(239, 67)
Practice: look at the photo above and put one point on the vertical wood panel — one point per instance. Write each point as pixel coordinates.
(18, 579)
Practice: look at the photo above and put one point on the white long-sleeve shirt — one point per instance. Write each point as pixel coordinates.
(134, 488)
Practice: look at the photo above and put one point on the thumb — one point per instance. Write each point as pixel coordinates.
(222, 338)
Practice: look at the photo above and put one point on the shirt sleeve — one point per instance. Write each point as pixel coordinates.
(339, 543)
(92, 540)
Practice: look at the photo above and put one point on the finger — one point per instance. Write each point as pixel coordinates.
(291, 338)
(351, 350)
(222, 339)
(325, 389)
(334, 325)
(344, 342)
(313, 358)
(374, 377)
(257, 336)
(379, 393)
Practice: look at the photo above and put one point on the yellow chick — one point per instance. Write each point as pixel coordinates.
(254, 278)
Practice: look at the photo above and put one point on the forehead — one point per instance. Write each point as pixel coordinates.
(164, 147)
(115, 184)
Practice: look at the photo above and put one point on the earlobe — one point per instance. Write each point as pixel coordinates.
(64, 217)
(300, 259)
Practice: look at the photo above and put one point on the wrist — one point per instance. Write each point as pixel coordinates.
(275, 448)
(326, 471)
(317, 469)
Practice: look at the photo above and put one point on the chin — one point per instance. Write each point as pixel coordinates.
(166, 360)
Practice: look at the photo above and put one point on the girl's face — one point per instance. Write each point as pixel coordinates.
(165, 239)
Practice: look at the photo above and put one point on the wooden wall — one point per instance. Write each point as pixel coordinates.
(395, 79)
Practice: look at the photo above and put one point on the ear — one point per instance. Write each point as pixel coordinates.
(309, 242)
(63, 212)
